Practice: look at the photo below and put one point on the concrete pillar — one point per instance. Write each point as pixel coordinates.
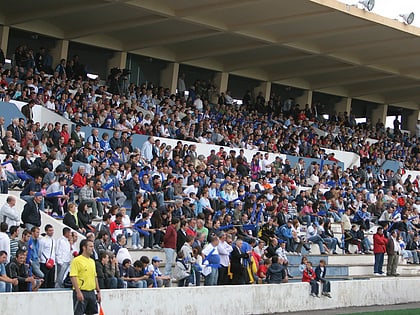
(265, 88)
(60, 51)
(411, 122)
(343, 106)
(221, 80)
(4, 38)
(169, 76)
(119, 60)
(379, 113)
(306, 98)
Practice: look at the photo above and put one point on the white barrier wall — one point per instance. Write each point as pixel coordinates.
(44, 115)
(251, 299)
(45, 218)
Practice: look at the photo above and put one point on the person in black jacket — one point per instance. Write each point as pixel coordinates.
(31, 215)
(277, 272)
(236, 263)
(131, 187)
(321, 272)
(71, 220)
(181, 235)
(17, 269)
(85, 222)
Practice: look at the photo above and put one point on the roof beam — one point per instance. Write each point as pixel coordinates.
(267, 61)
(334, 81)
(114, 26)
(217, 51)
(293, 72)
(57, 10)
(323, 33)
(408, 94)
(278, 21)
(365, 45)
(391, 86)
(172, 39)
(199, 9)
(386, 58)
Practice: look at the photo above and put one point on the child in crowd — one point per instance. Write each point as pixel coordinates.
(321, 272)
(310, 277)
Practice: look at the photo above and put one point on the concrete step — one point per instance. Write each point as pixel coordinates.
(136, 254)
(333, 259)
(359, 270)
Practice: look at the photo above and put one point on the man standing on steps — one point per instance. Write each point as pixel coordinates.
(379, 249)
(169, 245)
(393, 251)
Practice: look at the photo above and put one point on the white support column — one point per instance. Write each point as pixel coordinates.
(169, 76)
(119, 60)
(265, 88)
(412, 121)
(379, 113)
(221, 80)
(343, 106)
(4, 38)
(306, 98)
(60, 51)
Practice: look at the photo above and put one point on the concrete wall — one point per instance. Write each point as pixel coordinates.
(43, 115)
(45, 218)
(252, 299)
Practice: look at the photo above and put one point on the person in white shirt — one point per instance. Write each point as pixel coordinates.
(198, 103)
(191, 189)
(8, 212)
(224, 248)
(5, 240)
(64, 254)
(147, 149)
(46, 251)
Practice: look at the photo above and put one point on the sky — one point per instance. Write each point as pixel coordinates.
(392, 8)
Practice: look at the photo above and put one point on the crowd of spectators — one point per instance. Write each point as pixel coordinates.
(221, 215)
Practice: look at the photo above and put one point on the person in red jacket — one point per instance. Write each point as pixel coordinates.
(169, 245)
(79, 179)
(310, 276)
(379, 249)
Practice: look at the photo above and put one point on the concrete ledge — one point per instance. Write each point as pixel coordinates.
(252, 299)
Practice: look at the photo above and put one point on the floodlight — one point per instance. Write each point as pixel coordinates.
(367, 4)
(408, 18)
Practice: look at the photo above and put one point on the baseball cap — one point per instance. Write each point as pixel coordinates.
(156, 258)
(38, 194)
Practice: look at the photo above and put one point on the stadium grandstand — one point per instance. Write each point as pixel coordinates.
(204, 145)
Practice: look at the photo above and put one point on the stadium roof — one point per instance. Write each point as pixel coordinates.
(322, 45)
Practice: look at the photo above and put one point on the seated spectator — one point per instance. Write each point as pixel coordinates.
(84, 219)
(159, 280)
(86, 197)
(31, 215)
(57, 196)
(6, 283)
(182, 270)
(104, 281)
(321, 272)
(8, 212)
(354, 238)
(362, 217)
(276, 272)
(313, 237)
(71, 219)
(17, 269)
(310, 277)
